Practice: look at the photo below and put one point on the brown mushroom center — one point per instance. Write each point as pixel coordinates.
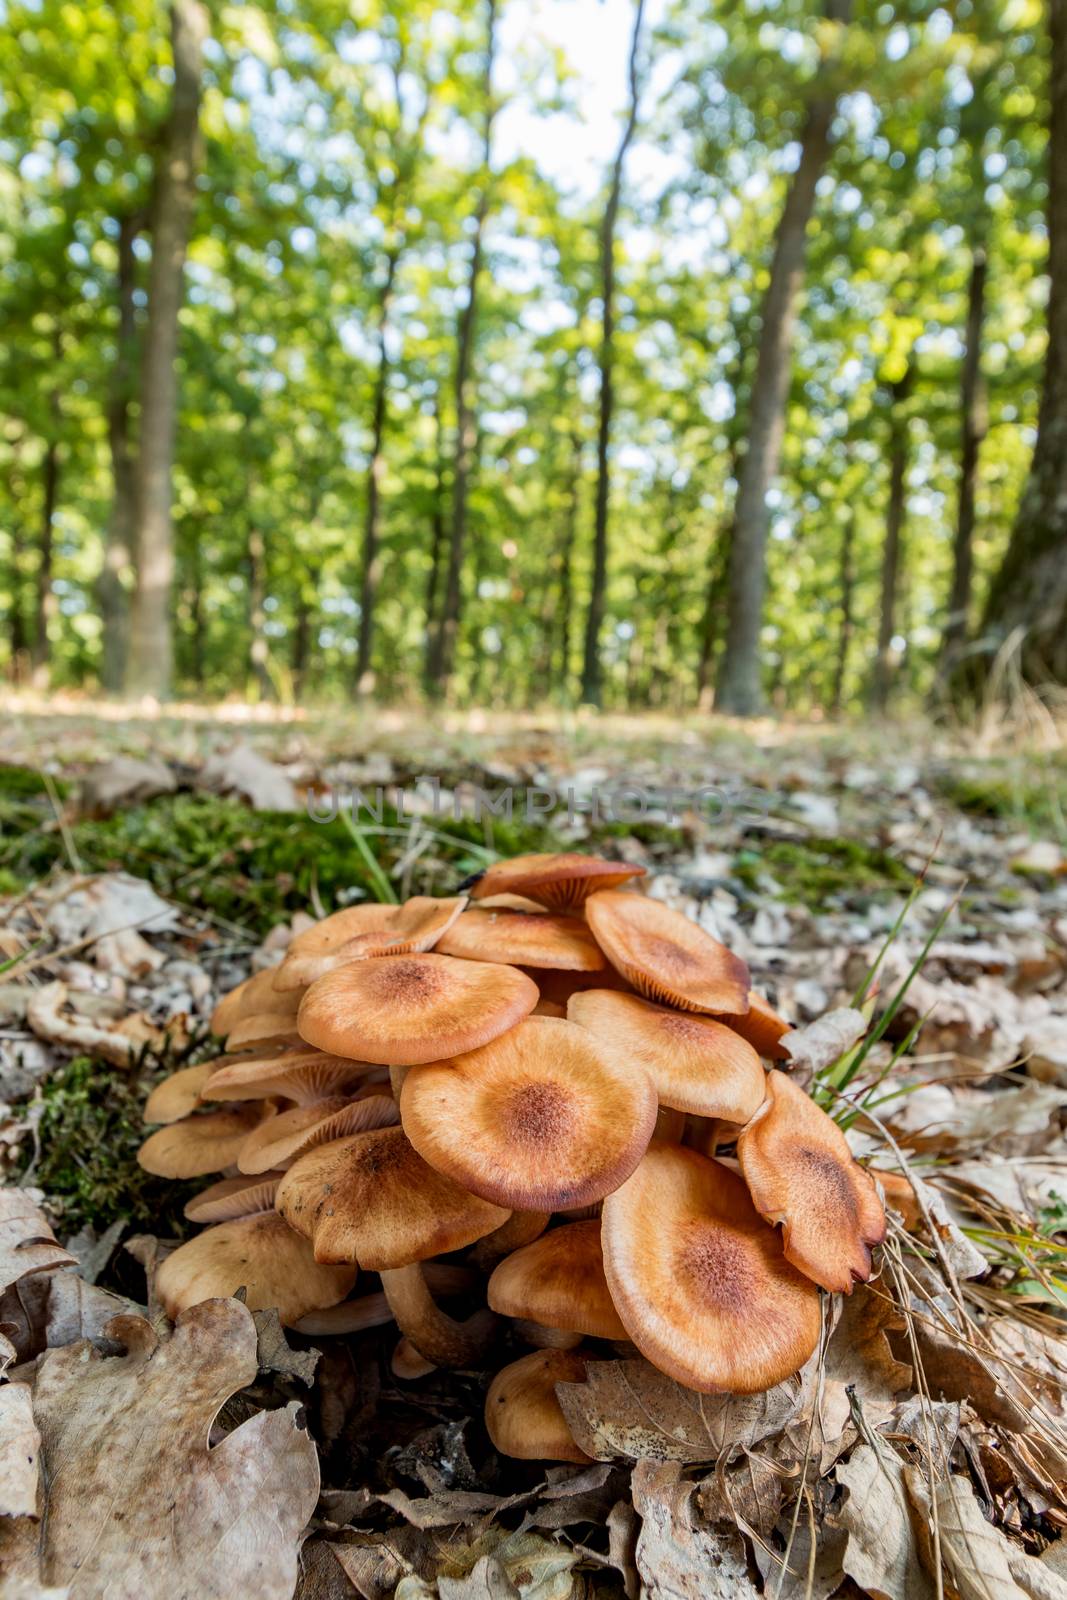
(681, 1025)
(408, 982)
(833, 1183)
(717, 1267)
(537, 1113)
(665, 953)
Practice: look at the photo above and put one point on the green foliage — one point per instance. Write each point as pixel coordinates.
(817, 871)
(1012, 792)
(91, 1127)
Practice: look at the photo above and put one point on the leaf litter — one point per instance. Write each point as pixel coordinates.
(922, 1451)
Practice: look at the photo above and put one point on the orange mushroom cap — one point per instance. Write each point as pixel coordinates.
(197, 1145)
(304, 1076)
(231, 1198)
(900, 1195)
(523, 939)
(560, 881)
(260, 1254)
(178, 1095)
(696, 1064)
(665, 956)
(523, 1416)
(699, 1279)
(362, 931)
(559, 1281)
(762, 1027)
(278, 1141)
(257, 993)
(802, 1174)
(262, 1030)
(372, 1199)
(541, 1118)
(404, 1010)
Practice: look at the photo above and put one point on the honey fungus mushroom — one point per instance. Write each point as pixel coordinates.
(558, 1281)
(372, 1201)
(279, 1140)
(206, 1142)
(361, 931)
(801, 1173)
(303, 1076)
(523, 939)
(697, 1065)
(700, 1281)
(260, 1254)
(405, 1010)
(666, 957)
(523, 1416)
(562, 882)
(540, 1119)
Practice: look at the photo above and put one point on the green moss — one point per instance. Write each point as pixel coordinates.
(814, 871)
(251, 867)
(90, 1130)
(1027, 797)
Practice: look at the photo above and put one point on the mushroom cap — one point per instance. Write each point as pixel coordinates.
(523, 1416)
(404, 1010)
(899, 1193)
(301, 1075)
(665, 956)
(802, 1174)
(697, 1064)
(179, 1094)
(699, 1279)
(261, 1254)
(542, 1117)
(255, 994)
(366, 930)
(559, 1281)
(561, 881)
(197, 1145)
(233, 1197)
(263, 1029)
(762, 1027)
(278, 1141)
(523, 939)
(372, 1199)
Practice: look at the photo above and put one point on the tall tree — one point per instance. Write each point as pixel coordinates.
(592, 666)
(1028, 597)
(111, 589)
(442, 646)
(149, 665)
(740, 691)
(892, 549)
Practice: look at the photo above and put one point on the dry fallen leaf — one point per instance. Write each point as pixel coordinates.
(19, 1446)
(138, 1507)
(629, 1409)
(27, 1243)
(881, 1555)
(242, 770)
(44, 1013)
(679, 1557)
(980, 1563)
(821, 1043)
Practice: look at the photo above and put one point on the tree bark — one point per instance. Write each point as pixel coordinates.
(844, 638)
(44, 598)
(1028, 598)
(111, 588)
(973, 421)
(884, 670)
(259, 650)
(150, 663)
(740, 691)
(371, 561)
(592, 664)
(442, 648)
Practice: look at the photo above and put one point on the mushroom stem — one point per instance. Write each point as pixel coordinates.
(396, 1080)
(521, 1228)
(351, 1316)
(434, 1334)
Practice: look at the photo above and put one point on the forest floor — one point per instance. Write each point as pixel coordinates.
(148, 863)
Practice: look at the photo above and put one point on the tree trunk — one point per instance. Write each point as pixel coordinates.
(973, 423)
(197, 618)
(1028, 598)
(442, 652)
(566, 566)
(884, 667)
(259, 649)
(150, 663)
(592, 665)
(740, 691)
(371, 561)
(301, 643)
(844, 638)
(111, 588)
(44, 599)
(437, 535)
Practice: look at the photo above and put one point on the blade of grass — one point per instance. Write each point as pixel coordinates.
(382, 887)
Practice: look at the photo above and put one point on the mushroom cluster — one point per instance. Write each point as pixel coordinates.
(556, 1074)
